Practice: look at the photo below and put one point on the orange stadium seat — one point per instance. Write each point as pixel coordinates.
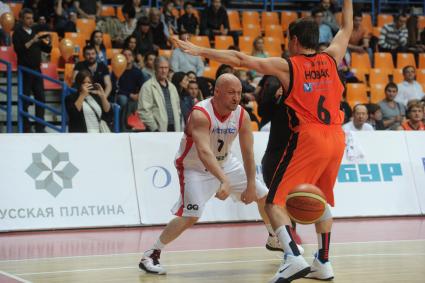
(234, 20)
(367, 22)
(305, 14)
(272, 46)
(250, 17)
(209, 72)
(107, 40)
(269, 18)
(360, 73)
(110, 52)
(15, 8)
(8, 54)
(384, 19)
(377, 76)
(56, 57)
(245, 44)
(85, 27)
(384, 61)
(360, 61)
(223, 42)
(420, 76)
(286, 18)
(214, 64)
(54, 39)
(200, 40)
(356, 93)
(68, 74)
(107, 11)
(376, 31)
(120, 15)
(405, 59)
(165, 52)
(274, 31)
(377, 92)
(421, 61)
(421, 22)
(50, 70)
(76, 39)
(398, 76)
(251, 30)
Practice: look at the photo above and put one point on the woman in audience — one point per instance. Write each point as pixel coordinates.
(96, 40)
(144, 37)
(131, 44)
(415, 114)
(375, 116)
(181, 81)
(258, 48)
(87, 106)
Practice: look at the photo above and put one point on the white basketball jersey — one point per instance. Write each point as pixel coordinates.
(222, 133)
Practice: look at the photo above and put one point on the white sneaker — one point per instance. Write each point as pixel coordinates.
(320, 271)
(150, 262)
(273, 244)
(293, 267)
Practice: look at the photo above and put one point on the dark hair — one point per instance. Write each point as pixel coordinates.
(372, 108)
(148, 54)
(80, 77)
(183, 32)
(223, 69)
(88, 47)
(93, 34)
(415, 103)
(407, 67)
(191, 72)
(187, 4)
(396, 17)
(25, 11)
(193, 82)
(177, 79)
(391, 85)
(307, 32)
(143, 21)
(127, 40)
(315, 11)
(357, 14)
(233, 47)
(129, 10)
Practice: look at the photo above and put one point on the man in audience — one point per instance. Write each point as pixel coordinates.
(188, 22)
(415, 114)
(149, 60)
(359, 40)
(159, 102)
(98, 70)
(394, 36)
(159, 30)
(358, 123)
(214, 20)
(393, 112)
(88, 9)
(329, 14)
(325, 32)
(183, 62)
(409, 89)
(28, 45)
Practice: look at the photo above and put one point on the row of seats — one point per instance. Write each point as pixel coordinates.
(384, 61)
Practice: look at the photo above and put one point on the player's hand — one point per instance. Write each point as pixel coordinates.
(223, 191)
(187, 46)
(249, 195)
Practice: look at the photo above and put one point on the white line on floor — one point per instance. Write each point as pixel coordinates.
(14, 277)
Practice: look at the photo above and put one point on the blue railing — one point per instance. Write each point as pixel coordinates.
(8, 93)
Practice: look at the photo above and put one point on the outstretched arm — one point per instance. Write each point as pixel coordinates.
(339, 44)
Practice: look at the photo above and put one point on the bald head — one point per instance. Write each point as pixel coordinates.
(227, 92)
(226, 80)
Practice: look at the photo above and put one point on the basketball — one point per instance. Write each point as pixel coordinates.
(305, 204)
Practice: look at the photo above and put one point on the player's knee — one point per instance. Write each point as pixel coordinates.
(327, 215)
(190, 221)
(262, 201)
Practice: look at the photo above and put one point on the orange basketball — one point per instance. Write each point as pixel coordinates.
(305, 204)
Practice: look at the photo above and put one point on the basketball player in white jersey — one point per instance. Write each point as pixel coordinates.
(206, 167)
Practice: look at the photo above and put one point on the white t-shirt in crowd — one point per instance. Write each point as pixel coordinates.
(349, 127)
(408, 91)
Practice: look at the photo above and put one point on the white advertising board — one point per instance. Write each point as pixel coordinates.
(64, 181)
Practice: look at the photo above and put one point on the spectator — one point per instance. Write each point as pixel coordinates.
(415, 114)
(258, 48)
(188, 22)
(359, 40)
(184, 62)
(4, 37)
(393, 112)
(181, 82)
(144, 37)
(149, 67)
(40, 8)
(65, 17)
(159, 103)
(87, 106)
(328, 9)
(214, 20)
(126, 91)
(131, 43)
(394, 36)
(130, 23)
(325, 32)
(99, 71)
(138, 7)
(88, 9)
(375, 116)
(28, 45)
(96, 40)
(191, 76)
(194, 91)
(358, 123)
(167, 17)
(159, 30)
(409, 89)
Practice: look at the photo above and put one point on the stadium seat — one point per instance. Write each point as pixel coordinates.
(107, 11)
(49, 69)
(398, 76)
(420, 76)
(85, 27)
(272, 46)
(245, 44)
(250, 17)
(269, 18)
(209, 72)
(421, 61)
(421, 22)
(376, 31)
(200, 40)
(356, 93)
(107, 40)
(234, 20)
(377, 76)
(68, 74)
(214, 64)
(360, 73)
(223, 42)
(8, 54)
(15, 8)
(405, 59)
(251, 30)
(384, 61)
(367, 22)
(305, 14)
(286, 18)
(77, 40)
(360, 61)
(56, 58)
(110, 52)
(54, 39)
(120, 15)
(274, 31)
(165, 52)
(377, 92)
(384, 19)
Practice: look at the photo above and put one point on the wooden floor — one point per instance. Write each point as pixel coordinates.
(370, 261)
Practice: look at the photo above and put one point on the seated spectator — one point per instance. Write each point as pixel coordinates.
(359, 40)
(159, 103)
(325, 32)
(191, 76)
(159, 30)
(329, 9)
(206, 85)
(144, 37)
(375, 116)
(96, 40)
(87, 106)
(131, 43)
(126, 91)
(138, 8)
(88, 9)
(181, 81)
(40, 8)
(258, 48)
(415, 115)
(99, 71)
(358, 123)
(167, 17)
(65, 17)
(214, 20)
(184, 62)
(393, 37)
(393, 112)
(188, 22)
(130, 23)
(194, 92)
(149, 67)
(409, 89)
(5, 39)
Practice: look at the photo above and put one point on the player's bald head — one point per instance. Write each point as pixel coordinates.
(227, 80)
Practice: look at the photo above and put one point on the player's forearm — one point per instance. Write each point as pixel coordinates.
(211, 164)
(249, 165)
(229, 57)
(347, 15)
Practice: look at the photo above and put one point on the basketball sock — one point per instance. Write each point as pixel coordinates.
(323, 240)
(286, 239)
(158, 245)
(270, 230)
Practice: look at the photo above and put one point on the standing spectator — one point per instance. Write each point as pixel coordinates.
(144, 37)
(360, 116)
(159, 103)
(375, 116)
(394, 36)
(138, 7)
(4, 37)
(328, 8)
(415, 114)
(126, 91)
(96, 40)
(149, 61)
(214, 20)
(393, 112)
(88, 9)
(183, 62)
(181, 82)
(359, 40)
(28, 45)
(409, 89)
(130, 23)
(159, 30)
(99, 71)
(65, 14)
(167, 17)
(87, 106)
(325, 32)
(188, 22)
(40, 8)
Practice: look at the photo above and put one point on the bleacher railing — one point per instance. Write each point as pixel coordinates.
(8, 93)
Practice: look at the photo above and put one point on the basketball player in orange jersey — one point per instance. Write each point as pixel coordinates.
(313, 155)
(206, 166)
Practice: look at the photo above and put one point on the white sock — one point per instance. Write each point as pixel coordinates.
(270, 229)
(285, 238)
(158, 245)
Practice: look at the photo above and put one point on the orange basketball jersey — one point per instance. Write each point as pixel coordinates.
(315, 91)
